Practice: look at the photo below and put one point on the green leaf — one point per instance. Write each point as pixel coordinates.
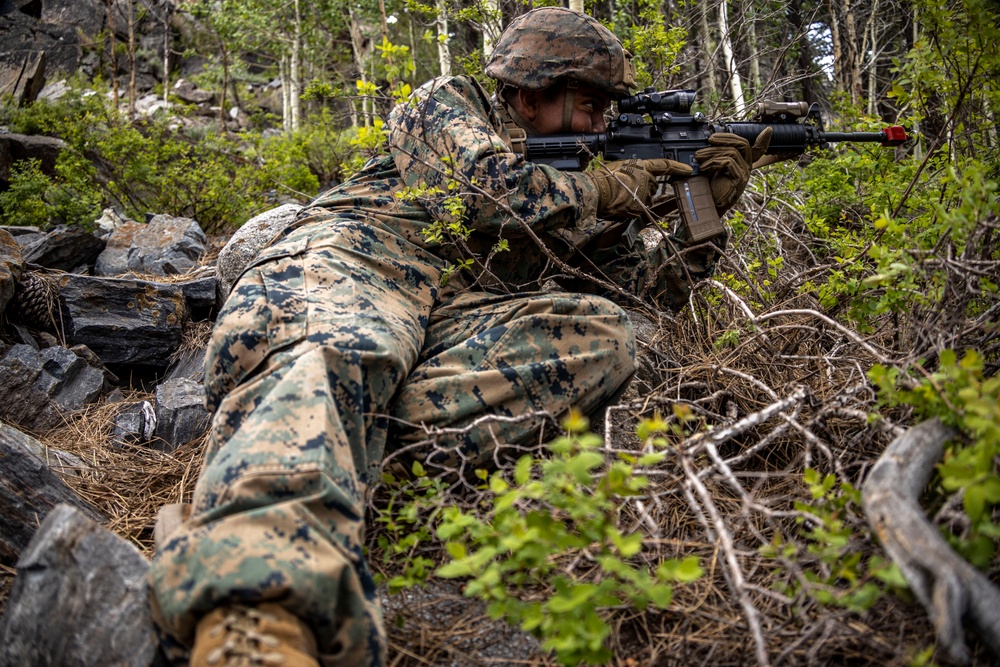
(689, 570)
(498, 484)
(454, 570)
(974, 502)
(661, 595)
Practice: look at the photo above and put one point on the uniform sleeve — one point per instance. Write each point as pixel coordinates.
(448, 142)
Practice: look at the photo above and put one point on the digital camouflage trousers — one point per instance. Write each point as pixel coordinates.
(338, 338)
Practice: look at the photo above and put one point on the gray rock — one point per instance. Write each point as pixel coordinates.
(200, 295)
(246, 243)
(167, 246)
(23, 80)
(63, 462)
(54, 91)
(113, 260)
(64, 248)
(80, 599)
(134, 424)
(180, 413)
(11, 267)
(39, 387)
(15, 147)
(188, 92)
(29, 490)
(188, 364)
(109, 221)
(123, 321)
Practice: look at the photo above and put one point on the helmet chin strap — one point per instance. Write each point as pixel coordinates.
(569, 102)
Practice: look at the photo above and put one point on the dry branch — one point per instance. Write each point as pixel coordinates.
(948, 586)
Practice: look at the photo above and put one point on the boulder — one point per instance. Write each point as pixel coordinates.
(25, 35)
(113, 260)
(200, 295)
(180, 412)
(109, 221)
(134, 424)
(124, 321)
(167, 246)
(64, 248)
(29, 490)
(246, 243)
(38, 388)
(59, 461)
(23, 80)
(190, 93)
(11, 266)
(188, 363)
(80, 599)
(15, 147)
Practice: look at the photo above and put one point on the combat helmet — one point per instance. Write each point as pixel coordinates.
(552, 43)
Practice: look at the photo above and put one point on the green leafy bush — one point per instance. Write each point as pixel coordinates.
(156, 165)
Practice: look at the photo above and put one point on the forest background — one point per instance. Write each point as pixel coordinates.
(858, 296)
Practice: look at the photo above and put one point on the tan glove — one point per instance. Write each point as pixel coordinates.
(627, 187)
(728, 162)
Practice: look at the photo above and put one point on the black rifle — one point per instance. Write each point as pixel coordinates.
(653, 125)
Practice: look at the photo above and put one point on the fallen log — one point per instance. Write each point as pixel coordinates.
(949, 588)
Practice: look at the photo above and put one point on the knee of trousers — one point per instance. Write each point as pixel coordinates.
(612, 326)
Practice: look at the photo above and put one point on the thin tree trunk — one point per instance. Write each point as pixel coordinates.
(357, 47)
(751, 19)
(490, 26)
(131, 58)
(708, 50)
(166, 50)
(225, 85)
(854, 54)
(839, 71)
(295, 67)
(444, 53)
(114, 57)
(872, 49)
(286, 99)
(735, 82)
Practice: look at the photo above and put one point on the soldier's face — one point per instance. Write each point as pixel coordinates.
(587, 115)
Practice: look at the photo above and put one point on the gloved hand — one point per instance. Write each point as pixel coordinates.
(728, 162)
(627, 187)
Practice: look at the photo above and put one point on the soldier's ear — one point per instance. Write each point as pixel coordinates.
(529, 101)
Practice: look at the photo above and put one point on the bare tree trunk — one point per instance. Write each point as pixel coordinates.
(854, 54)
(166, 50)
(839, 71)
(708, 49)
(751, 19)
(131, 58)
(491, 25)
(735, 82)
(872, 48)
(286, 99)
(114, 57)
(357, 46)
(225, 85)
(295, 67)
(444, 53)
(576, 5)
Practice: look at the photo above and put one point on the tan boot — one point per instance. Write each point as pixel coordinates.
(239, 636)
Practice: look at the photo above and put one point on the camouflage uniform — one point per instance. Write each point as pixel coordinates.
(342, 328)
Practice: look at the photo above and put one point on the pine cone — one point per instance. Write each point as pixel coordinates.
(35, 303)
